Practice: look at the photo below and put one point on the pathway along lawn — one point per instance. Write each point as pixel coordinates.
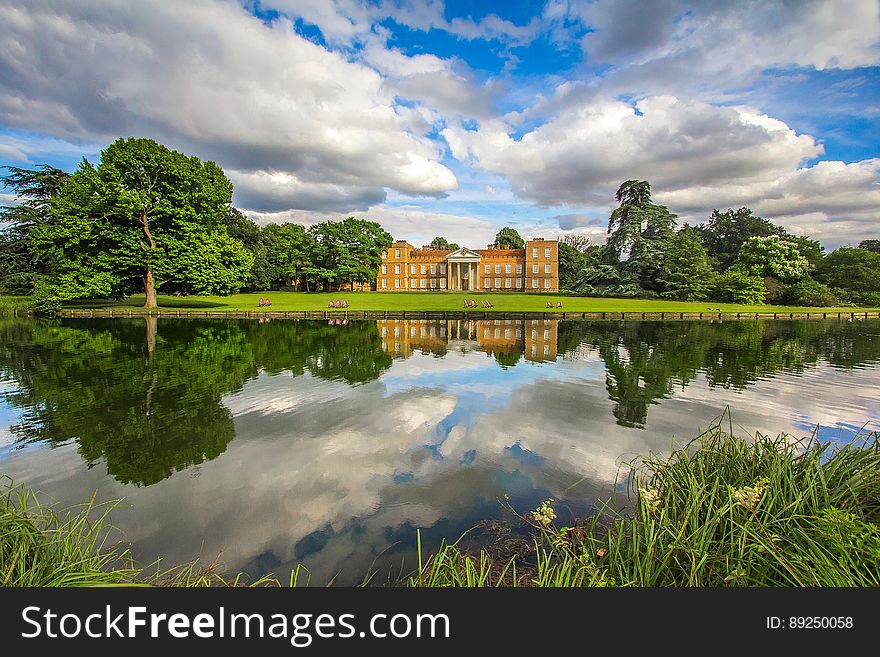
(427, 301)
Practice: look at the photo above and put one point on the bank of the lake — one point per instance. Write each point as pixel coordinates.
(438, 301)
(717, 512)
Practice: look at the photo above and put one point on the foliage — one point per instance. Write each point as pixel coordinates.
(870, 245)
(578, 242)
(725, 232)
(773, 256)
(608, 280)
(288, 250)
(509, 238)
(774, 290)
(345, 251)
(640, 230)
(809, 292)
(856, 272)
(240, 228)
(144, 216)
(571, 262)
(718, 512)
(443, 244)
(736, 286)
(686, 274)
(20, 263)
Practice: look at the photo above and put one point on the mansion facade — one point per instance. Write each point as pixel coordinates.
(535, 268)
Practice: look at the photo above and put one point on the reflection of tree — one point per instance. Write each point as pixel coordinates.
(147, 399)
(645, 361)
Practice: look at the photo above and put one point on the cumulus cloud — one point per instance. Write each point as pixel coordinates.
(725, 42)
(208, 77)
(698, 156)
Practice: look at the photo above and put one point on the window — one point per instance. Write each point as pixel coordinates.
(443, 269)
(397, 253)
(534, 269)
(487, 282)
(497, 282)
(519, 269)
(497, 269)
(547, 268)
(546, 283)
(547, 252)
(506, 269)
(424, 283)
(396, 269)
(384, 269)
(433, 283)
(442, 283)
(518, 283)
(412, 270)
(507, 282)
(535, 283)
(384, 254)
(487, 269)
(384, 283)
(424, 270)
(535, 252)
(546, 349)
(396, 282)
(433, 270)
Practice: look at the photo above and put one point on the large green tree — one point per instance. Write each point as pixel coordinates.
(852, 273)
(289, 251)
(773, 256)
(346, 251)
(240, 228)
(571, 263)
(509, 238)
(639, 231)
(34, 189)
(725, 232)
(444, 244)
(145, 215)
(686, 274)
(870, 245)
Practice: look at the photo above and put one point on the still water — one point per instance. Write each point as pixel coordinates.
(275, 443)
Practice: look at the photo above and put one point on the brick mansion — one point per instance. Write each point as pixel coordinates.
(532, 269)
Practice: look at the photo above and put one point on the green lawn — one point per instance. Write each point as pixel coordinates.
(415, 301)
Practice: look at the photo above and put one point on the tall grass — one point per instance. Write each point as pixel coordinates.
(42, 547)
(718, 512)
(10, 305)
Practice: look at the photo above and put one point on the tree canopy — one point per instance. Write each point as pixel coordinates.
(144, 216)
(444, 244)
(20, 263)
(509, 238)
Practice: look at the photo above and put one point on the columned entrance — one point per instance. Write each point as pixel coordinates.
(463, 271)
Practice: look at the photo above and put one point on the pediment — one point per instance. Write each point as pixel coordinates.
(463, 255)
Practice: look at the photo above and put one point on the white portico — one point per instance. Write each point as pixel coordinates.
(463, 270)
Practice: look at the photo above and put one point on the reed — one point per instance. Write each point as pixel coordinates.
(717, 512)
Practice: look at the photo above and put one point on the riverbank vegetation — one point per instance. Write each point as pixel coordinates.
(146, 219)
(717, 512)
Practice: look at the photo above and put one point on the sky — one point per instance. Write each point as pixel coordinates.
(457, 118)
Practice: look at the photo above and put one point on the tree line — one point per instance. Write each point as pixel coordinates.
(148, 219)
(735, 256)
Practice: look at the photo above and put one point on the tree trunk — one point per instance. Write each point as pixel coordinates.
(150, 289)
(152, 327)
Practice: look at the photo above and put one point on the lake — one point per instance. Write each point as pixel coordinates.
(329, 443)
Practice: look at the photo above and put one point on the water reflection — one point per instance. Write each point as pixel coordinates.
(349, 436)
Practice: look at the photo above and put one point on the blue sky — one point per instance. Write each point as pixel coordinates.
(456, 118)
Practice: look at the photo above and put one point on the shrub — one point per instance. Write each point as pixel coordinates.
(735, 286)
(808, 292)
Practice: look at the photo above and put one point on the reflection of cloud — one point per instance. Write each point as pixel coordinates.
(332, 475)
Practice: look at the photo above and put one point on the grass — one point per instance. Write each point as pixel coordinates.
(10, 305)
(437, 301)
(717, 512)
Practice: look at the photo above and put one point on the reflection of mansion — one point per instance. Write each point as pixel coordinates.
(532, 269)
(535, 339)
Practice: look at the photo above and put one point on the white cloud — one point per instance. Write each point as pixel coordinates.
(697, 157)
(207, 77)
